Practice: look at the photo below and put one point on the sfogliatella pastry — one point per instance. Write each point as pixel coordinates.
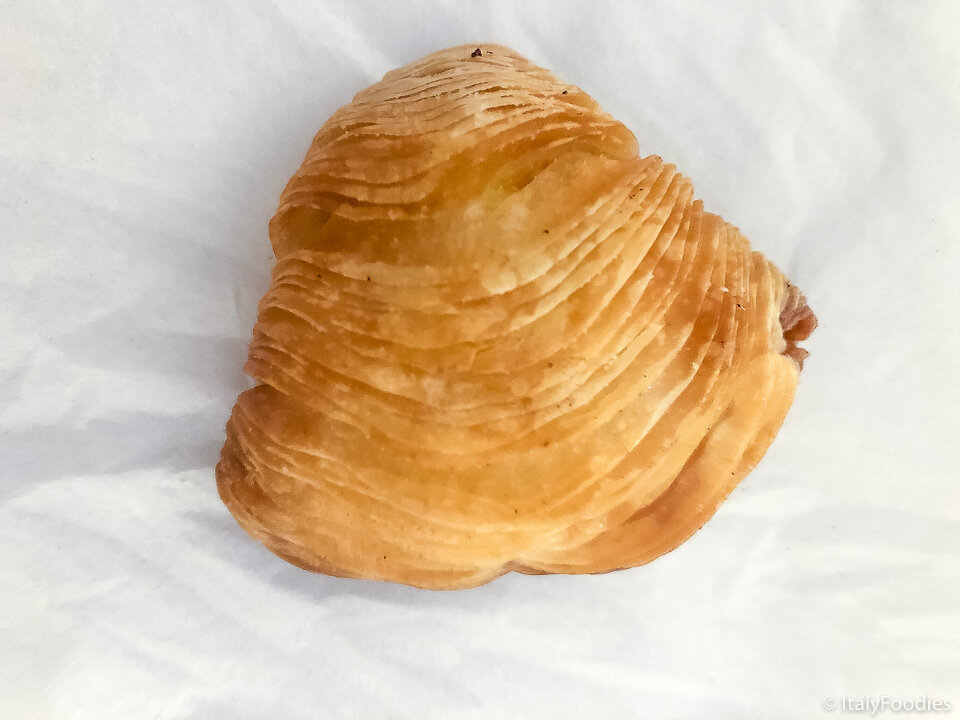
(497, 339)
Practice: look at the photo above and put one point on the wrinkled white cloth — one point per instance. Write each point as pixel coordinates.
(143, 147)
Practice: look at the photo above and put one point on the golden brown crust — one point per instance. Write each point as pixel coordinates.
(498, 340)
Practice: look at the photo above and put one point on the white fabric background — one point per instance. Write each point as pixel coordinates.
(143, 146)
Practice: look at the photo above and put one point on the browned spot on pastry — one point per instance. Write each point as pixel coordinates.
(798, 323)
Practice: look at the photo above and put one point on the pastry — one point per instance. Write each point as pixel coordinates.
(497, 339)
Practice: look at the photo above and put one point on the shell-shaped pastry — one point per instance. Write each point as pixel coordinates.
(498, 339)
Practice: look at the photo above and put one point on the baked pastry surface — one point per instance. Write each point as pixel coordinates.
(498, 339)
